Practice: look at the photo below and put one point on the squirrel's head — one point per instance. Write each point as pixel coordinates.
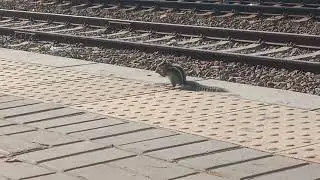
(162, 68)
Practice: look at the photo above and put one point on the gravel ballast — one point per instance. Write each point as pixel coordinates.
(264, 23)
(257, 75)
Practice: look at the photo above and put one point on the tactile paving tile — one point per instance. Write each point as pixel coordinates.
(170, 107)
(309, 153)
(4, 64)
(269, 128)
(84, 90)
(27, 77)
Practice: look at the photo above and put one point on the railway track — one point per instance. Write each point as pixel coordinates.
(291, 51)
(307, 8)
(300, 24)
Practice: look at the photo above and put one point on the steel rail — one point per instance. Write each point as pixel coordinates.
(249, 35)
(291, 1)
(217, 7)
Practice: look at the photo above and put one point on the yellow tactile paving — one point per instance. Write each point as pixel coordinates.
(222, 116)
(309, 153)
(171, 106)
(83, 90)
(30, 77)
(10, 64)
(271, 128)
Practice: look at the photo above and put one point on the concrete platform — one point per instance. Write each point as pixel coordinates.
(89, 121)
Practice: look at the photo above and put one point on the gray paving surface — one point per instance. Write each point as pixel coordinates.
(13, 129)
(89, 158)
(223, 158)
(58, 176)
(111, 131)
(64, 121)
(18, 170)
(17, 103)
(311, 171)
(10, 145)
(46, 138)
(190, 150)
(162, 143)
(55, 142)
(155, 169)
(85, 126)
(23, 110)
(257, 167)
(135, 137)
(59, 152)
(100, 172)
(28, 118)
(202, 176)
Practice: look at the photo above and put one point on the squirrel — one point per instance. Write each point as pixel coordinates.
(177, 76)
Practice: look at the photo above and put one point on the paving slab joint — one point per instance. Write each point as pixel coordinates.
(34, 112)
(238, 162)
(70, 133)
(133, 131)
(157, 149)
(274, 171)
(208, 153)
(46, 119)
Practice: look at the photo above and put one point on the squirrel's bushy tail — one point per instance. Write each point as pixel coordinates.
(195, 86)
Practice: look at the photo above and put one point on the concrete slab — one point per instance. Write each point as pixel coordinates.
(59, 152)
(37, 58)
(5, 123)
(12, 146)
(258, 167)
(223, 158)
(155, 169)
(135, 137)
(100, 172)
(111, 131)
(162, 143)
(182, 152)
(202, 176)
(3, 178)
(20, 170)
(86, 159)
(6, 113)
(59, 176)
(14, 129)
(47, 138)
(63, 121)
(73, 128)
(308, 172)
(41, 116)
